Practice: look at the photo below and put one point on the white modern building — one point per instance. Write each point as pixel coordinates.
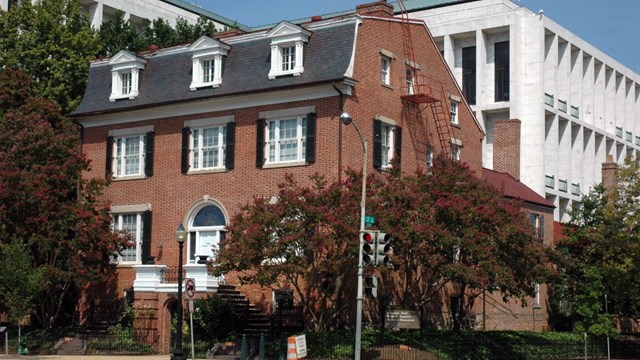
(576, 104)
(135, 11)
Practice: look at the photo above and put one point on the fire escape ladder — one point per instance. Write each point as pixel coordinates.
(441, 119)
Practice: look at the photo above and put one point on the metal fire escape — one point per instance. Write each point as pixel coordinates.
(423, 95)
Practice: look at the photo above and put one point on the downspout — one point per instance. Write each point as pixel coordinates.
(340, 109)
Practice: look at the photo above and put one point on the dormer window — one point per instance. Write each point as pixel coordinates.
(287, 48)
(125, 75)
(207, 62)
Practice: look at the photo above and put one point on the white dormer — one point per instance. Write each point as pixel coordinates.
(287, 46)
(125, 75)
(207, 62)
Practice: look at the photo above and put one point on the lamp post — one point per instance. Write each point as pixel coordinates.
(346, 119)
(178, 353)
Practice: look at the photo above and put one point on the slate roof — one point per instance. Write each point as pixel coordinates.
(513, 188)
(167, 74)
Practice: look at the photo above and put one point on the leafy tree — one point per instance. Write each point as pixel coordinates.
(19, 281)
(302, 239)
(450, 227)
(45, 204)
(53, 43)
(118, 34)
(216, 317)
(600, 255)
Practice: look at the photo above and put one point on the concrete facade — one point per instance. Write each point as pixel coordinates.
(136, 11)
(577, 105)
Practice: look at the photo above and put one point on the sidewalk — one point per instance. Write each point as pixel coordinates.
(84, 357)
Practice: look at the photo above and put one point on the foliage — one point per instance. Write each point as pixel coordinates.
(118, 34)
(449, 227)
(466, 345)
(452, 227)
(600, 255)
(53, 43)
(215, 317)
(19, 281)
(46, 205)
(304, 240)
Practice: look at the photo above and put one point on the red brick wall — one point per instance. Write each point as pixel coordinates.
(506, 147)
(171, 193)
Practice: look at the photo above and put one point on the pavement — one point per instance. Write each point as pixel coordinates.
(84, 357)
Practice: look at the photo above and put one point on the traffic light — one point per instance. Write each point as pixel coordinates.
(367, 240)
(382, 248)
(371, 286)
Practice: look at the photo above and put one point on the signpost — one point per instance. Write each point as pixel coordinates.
(403, 319)
(190, 290)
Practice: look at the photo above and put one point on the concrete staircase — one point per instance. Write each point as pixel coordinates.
(70, 346)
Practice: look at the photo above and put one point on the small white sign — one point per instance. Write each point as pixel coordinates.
(191, 306)
(2, 329)
(301, 346)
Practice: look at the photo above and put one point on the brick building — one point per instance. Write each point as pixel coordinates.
(189, 134)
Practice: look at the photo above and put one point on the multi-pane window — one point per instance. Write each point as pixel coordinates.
(469, 73)
(206, 231)
(208, 70)
(129, 155)
(288, 55)
(132, 225)
(536, 296)
(410, 79)
(126, 82)
(385, 67)
(501, 71)
(286, 139)
(453, 112)
(208, 147)
(455, 152)
(387, 144)
(537, 223)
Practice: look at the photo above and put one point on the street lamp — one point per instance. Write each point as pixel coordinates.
(181, 236)
(346, 119)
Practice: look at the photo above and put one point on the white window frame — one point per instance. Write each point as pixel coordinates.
(429, 158)
(387, 141)
(194, 246)
(455, 152)
(196, 145)
(536, 296)
(285, 37)
(385, 70)
(207, 51)
(410, 80)
(136, 237)
(274, 146)
(125, 69)
(121, 159)
(453, 111)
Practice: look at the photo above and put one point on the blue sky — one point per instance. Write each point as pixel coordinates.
(609, 25)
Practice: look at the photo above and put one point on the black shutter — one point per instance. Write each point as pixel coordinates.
(146, 238)
(229, 160)
(260, 142)
(310, 156)
(397, 151)
(148, 158)
(184, 163)
(542, 227)
(109, 166)
(377, 144)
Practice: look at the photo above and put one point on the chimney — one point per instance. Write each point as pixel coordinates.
(378, 8)
(609, 174)
(506, 147)
(227, 33)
